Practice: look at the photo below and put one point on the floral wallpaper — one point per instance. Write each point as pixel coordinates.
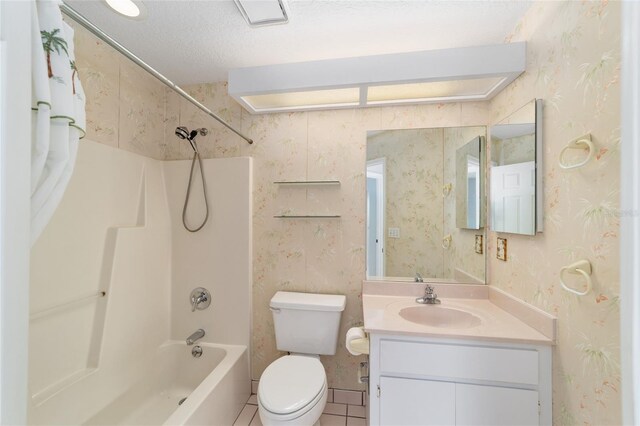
(573, 65)
(573, 54)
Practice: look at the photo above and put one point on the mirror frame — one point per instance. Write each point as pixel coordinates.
(539, 171)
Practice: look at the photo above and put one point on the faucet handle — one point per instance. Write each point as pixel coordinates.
(200, 299)
(418, 278)
(428, 290)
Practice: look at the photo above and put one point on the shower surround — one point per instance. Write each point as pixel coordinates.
(119, 230)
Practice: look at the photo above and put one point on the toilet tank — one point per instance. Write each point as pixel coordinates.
(307, 323)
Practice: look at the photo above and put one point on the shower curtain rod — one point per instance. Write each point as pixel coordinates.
(71, 13)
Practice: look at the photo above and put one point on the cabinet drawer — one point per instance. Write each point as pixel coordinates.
(459, 362)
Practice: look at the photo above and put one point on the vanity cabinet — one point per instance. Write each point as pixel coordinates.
(437, 381)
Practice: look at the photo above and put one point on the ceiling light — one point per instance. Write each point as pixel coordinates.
(435, 91)
(128, 8)
(263, 12)
(446, 75)
(316, 99)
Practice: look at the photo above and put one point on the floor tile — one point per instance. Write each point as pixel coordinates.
(256, 420)
(337, 409)
(356, 421)
(357, 411)
(331, 420)
(347, 397)
(246, 415)
(253, 400)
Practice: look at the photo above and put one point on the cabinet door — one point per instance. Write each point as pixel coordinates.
(495, 406)
(416, 402)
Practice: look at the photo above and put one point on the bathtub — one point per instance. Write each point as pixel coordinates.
(216, 387)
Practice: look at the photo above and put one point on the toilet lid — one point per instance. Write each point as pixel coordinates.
(291, 383)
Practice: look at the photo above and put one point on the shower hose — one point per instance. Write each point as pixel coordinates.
(204, 190)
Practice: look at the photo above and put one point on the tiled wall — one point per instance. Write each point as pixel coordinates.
(573, 65)
(573, 54)
(125, 105)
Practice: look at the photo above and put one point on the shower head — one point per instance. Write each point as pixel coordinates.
(182, 132)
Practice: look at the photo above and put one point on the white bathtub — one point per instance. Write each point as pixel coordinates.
(216, 386)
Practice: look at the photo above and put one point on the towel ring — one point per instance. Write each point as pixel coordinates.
(446, 189)
(578, 144)
(446, 242)
(582, 267)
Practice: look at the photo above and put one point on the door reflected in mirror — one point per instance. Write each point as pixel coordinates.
(515, 186)
(416, 200)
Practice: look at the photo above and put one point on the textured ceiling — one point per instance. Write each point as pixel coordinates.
(199, 41)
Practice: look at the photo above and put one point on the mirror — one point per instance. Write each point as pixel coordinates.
(516, 185)
(426, 204)
(469, 176)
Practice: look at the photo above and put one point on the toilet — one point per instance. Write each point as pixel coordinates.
(293, 388)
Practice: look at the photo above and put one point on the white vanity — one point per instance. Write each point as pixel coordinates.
(478, 358)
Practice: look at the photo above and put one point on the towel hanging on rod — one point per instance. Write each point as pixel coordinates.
(579, 143)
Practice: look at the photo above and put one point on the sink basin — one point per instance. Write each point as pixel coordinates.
(437, 316)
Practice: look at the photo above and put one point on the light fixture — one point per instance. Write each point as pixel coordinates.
(434, 76)
(128, 8)
(263, 12)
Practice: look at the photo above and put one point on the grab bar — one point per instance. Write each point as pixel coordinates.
(64, 305)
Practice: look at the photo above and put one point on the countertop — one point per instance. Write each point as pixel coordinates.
(381, 315)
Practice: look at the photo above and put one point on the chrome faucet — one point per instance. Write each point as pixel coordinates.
(418, 278)
(197, 335)
(429, 298)
(200, 299)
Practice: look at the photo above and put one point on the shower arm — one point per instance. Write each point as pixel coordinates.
(80, 19)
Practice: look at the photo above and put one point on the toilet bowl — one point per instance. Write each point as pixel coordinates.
(292, 391)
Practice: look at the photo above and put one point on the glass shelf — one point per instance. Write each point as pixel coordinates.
(312, 216)
(307, 182)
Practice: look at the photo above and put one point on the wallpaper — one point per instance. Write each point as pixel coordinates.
(573, 54)
(573, 65)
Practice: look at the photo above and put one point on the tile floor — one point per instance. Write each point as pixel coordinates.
(334, 414)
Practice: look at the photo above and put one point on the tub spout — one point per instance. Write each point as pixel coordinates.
(197, 335)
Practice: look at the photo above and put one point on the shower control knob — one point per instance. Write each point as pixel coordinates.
(200, 299)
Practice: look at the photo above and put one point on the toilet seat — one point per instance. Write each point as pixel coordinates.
(291, 386)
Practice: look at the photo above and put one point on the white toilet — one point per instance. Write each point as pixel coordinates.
(293, 388)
